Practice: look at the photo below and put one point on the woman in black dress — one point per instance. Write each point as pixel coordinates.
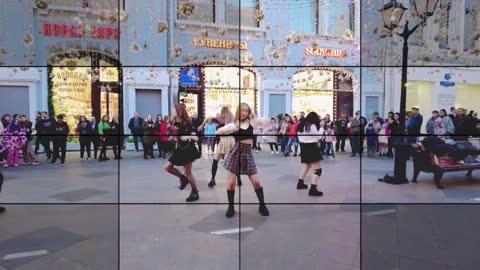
(185, 152)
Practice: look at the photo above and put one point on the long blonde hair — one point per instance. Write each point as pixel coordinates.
(226, 116)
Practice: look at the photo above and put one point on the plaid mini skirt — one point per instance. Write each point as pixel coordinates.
(225, 145)
(240, 160)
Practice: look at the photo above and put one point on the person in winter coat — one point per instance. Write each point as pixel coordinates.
(464, 126)
(431, 122)
(45, 132)
(270, 135)
(84, 131)
(117, 139)
(14, 139)
(447, 123)
(28, 155)
(104, 132)
(292, 139)
(414, 125)
(149, 129)
(136, 127)
(329, 140)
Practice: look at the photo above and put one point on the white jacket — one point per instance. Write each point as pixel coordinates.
(312, 136)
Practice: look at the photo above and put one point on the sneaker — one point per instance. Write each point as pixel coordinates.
(53, 163)
(5, 166)
(81, 158)
(63, 163)
(35, 163)
(88, 158)
(15, 165)
(273, 153)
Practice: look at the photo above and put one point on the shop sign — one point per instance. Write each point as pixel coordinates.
(326, 52)
(108, 74)
(219, 44)
(447, 82)
(79, 31)
(190, 77)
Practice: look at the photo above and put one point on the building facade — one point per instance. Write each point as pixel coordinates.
(446, 47)
(273, 56)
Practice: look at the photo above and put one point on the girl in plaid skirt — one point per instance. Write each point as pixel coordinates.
(240, 159)
(225, 144)
(185, 152)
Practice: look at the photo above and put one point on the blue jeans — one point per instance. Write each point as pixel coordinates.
(283, 144)
(289, 145)
(329, 148)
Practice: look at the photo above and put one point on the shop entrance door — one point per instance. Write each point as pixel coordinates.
(148, 102)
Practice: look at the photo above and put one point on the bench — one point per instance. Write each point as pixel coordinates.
(438, 166)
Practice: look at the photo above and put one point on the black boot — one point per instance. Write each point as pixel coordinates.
(262, 208)
(214, 173)
(314, 192)
(239, 181)
(301, 184)
(193, 196)
(231, 197)
(183, 182)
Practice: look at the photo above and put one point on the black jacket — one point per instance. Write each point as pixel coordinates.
(84, 129)
(45, 126)
(61, 131)
(139, 129)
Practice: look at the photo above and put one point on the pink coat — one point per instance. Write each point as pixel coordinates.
(14, 140)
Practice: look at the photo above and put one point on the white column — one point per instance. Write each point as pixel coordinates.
(357, 20)
(459, 29)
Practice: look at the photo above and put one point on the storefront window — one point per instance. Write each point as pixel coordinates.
(203, 10)
(302, 18)
(313, 92)
(104, 4)
(215, 99)
(343, 14)
(247, 9)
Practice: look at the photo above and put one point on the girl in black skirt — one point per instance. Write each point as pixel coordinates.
(185, 152)
(240, 160)
(309, 135)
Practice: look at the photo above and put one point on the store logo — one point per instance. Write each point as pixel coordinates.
(219, 44)
(79, 31)
(447, 82)
(326, 52)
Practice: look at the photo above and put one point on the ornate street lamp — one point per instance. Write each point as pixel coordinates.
(392, 14)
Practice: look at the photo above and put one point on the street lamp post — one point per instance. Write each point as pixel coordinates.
(392, 14)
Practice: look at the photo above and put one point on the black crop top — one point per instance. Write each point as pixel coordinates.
(244, 134)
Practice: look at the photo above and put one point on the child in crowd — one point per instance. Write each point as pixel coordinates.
(329, 140)
(210, 129)
(383, 139)
(372, 139)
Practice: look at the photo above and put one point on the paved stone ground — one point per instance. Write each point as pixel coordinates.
(75, 237)
(179, 237)
(420, 237)
(458, 187)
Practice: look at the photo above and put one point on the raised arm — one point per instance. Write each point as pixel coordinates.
(260, 122)
(227, 129)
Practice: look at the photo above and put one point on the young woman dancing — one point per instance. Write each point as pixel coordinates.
(225, 145)
(240, 159)
(185, 152)
(309, 134)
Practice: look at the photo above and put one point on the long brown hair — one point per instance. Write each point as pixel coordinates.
(226, 116)
(181, 114)
(239, 108)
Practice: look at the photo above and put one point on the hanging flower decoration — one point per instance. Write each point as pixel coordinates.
(314, 45)
(348, 34)
(204, 33)
(222, 31)
(185, 9)
(27, 40)
(177, 51)
(123, 16)
(3, 51)
(41, 4)
(135, 48)
(297, 39)
(162, 27)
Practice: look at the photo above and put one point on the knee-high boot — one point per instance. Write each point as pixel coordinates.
(214, 173)
(231, 197)
(262, 208)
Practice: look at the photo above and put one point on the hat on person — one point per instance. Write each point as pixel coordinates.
(375, 113)
(415, 108)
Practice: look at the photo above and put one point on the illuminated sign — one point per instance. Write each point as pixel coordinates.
(79, 31)
(326, 52)
(190, 77)
(219, 44)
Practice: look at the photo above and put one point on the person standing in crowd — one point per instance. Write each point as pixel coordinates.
(45, 129)
(371, 140)
(14, 139)
(329, 139)
(355, 126)
(38, 117)
(28, 156)
(376, 123)
(60, 140)
(104, 132)
(310, 133)
(283, 132)
(225, 144)
(157, 135)
(383, 138)
(302, 116)
(397, 129)
(388, 131)
(184, 153)
(464, 126)
(95, 137)
(136, 128)
(2, 209)
(239, 160)
(2, 129)
(197, 122)
(453, 113)
(292, 138)
(6, 118)
(271, 139)
(163, 127)
(431, 122)
(414, 125)
(341, 126)
(84, 131)
(328, 121)
(117, 138)
(447, 123)
(149, 139)
(210, 130)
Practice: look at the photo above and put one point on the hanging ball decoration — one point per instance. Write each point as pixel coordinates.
(204, 33)
(348, 34)
(27, 40)
(123, 16)
(454, 51)
(186, 9)
(177, 51)
(3, 51)
(259, 15)
(162, 27)
(135, 48)
(41, 4)
(314, 45)
(296, 39)
(222, 31)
